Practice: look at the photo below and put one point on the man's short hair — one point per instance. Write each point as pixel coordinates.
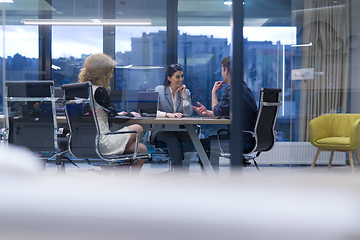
(226, 63)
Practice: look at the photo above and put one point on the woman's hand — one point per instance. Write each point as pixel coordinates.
(182, 91)
(136, 114)
(174, 115)
(122, 113)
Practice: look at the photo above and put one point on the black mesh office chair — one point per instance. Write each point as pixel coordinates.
(85, 133)
(30, 118)
(264, 131)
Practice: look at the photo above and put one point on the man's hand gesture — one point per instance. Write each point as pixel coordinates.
(202, 110)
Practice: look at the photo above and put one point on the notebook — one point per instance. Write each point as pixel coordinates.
(147, 103)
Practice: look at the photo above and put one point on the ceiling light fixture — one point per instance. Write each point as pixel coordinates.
(228, 2)
(6, 1)
(125, 22)
(302, 45)
(139, 67)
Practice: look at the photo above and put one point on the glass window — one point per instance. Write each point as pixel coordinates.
(70, 47)
(141, 54)
(19, 44)
(72, 44)
(269, 36)
(322, 79)
(204, 40)
(21, 53)
(140, 51)
(265, 49)
(287, 50)
(200, 51)
(305, 48)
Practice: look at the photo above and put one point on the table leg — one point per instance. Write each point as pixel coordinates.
(200, 150)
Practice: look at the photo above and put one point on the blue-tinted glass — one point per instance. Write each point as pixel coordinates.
(70, 47)
(140, 51)
(204, 40)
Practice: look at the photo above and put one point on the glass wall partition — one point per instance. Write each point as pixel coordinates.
(200, 51)
(141, 54)
(304, 48)
(139, 50)
(268, 35)
(204, 39)
(19, 50)
(72, 42)
(71, 45)
(309, 49)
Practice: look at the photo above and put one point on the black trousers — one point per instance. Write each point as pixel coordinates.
(177, 143)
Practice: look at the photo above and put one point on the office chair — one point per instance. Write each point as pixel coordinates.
(30, 118)
(84, 129)
(336, 132)
(264, 131)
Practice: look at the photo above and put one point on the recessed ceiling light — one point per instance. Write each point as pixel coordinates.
(125, 22)
(6, 1)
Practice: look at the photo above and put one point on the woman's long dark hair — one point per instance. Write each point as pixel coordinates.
(171, 69)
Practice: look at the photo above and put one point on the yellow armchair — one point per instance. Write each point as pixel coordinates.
(336, 132)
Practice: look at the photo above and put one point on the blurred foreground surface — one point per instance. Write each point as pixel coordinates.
(40, 206)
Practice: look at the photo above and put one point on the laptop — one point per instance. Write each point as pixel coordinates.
(147, 103)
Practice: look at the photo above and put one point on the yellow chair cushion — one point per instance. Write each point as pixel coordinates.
(335, 131)
(339, 143)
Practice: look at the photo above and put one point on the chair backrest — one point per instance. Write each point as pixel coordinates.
(30, 115)
(80, 115)
(264, 131)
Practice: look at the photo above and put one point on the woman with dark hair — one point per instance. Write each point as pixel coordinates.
(174, 102)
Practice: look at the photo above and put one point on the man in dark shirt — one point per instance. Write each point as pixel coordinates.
(221, 108)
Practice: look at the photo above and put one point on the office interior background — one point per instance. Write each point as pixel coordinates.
(310, 49)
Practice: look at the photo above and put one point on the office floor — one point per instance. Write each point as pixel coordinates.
(277, 202)
(160, 168)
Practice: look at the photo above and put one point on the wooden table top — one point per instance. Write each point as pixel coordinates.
(185, 120)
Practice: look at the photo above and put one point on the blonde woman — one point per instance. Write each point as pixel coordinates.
(98, 69)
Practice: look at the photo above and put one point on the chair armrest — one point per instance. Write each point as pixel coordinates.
(76, 101)
(250, 132)
(319, 128)
(126, 132)
(218, 134)
(228, 135)
(355, 135)
(227, 131)
(122, 132)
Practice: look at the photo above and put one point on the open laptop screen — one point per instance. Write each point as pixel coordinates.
(147, 103)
